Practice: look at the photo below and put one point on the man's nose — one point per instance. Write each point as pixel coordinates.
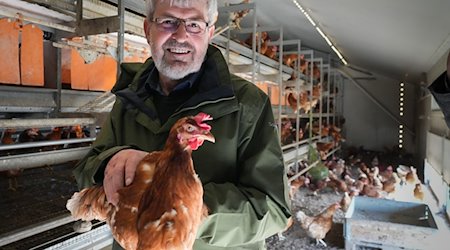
(180, 33)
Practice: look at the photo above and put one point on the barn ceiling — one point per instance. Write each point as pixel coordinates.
(400, 39)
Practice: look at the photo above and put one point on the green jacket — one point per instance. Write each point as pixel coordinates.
(245, 186)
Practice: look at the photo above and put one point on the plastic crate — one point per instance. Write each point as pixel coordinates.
(372, 223)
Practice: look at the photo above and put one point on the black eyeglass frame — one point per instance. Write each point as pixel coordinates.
(177, 21)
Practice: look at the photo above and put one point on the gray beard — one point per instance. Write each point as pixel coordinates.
(176, 72)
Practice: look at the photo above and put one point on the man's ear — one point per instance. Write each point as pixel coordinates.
(147, 29)
(211, 32)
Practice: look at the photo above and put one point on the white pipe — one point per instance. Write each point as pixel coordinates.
(6, 13)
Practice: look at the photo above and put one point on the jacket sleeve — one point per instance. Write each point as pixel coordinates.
(440, 89)
(256, 207)
(89, 170)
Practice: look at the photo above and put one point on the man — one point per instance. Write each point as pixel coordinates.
(245, 187)
(440, 89)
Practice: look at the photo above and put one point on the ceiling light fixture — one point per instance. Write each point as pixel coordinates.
(400, 131)
(338, 53)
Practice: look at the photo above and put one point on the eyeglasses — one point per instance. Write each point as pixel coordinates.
(171, 24)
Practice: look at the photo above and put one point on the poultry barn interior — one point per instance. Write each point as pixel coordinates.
(347, 82)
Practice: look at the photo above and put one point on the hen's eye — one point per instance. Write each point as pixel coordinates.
(190, 128)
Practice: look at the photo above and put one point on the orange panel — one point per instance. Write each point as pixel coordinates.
(99, 75)
(78, 73)
(275, 98)
(103, 73)
(263, 86)
(32, 56)
(9, 50)
(275, 95)
(66, 55)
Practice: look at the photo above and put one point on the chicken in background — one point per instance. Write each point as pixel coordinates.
(301, 68)
(372, 190)
(337, 184)
(390, 183)
(387, 173)
(324, 148)
(346, 200)
(402, 171)
(259, 37)
(364, 169)
(339, 168)
(271, 51)
(73, 132)
(264, 45)
(163, 207)
(317, 185)
(317, 90)
(349, 180)
(336, 134)
(304, 101)
(290, 60)
(31, 135)
(319, 225)
(359, 184)
(294, 186)
(316, 72)
(236, 17)
(317, 130)
(411, 177)
(292, 101)
(55, 134)
(11, 174)
(286, 131)
(7, 138)
(418, 192)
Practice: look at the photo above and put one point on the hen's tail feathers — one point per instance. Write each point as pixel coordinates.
(89, 204)
(305, 220)
(300, 216)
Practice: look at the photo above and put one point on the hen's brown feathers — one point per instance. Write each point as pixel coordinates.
(163, 207)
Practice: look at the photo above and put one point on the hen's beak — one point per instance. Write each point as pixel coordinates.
(207, 136)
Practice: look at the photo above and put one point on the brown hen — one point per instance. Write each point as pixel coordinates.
(11, 174)
(236, 17)
(318, 226)
(163, 207)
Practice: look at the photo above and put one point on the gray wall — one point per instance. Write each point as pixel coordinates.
(367, 124)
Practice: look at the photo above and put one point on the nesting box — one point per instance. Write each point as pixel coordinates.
(372, 223)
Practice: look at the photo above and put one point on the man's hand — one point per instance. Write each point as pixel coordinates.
(120, 172)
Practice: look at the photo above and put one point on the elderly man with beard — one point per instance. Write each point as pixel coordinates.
(243, 176)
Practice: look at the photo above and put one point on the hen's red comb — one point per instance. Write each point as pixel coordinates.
(202, 117)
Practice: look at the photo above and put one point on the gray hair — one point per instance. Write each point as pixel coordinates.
(211, 6)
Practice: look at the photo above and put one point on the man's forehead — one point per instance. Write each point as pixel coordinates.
(184, 3)
(179, 8)
(194, 5)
